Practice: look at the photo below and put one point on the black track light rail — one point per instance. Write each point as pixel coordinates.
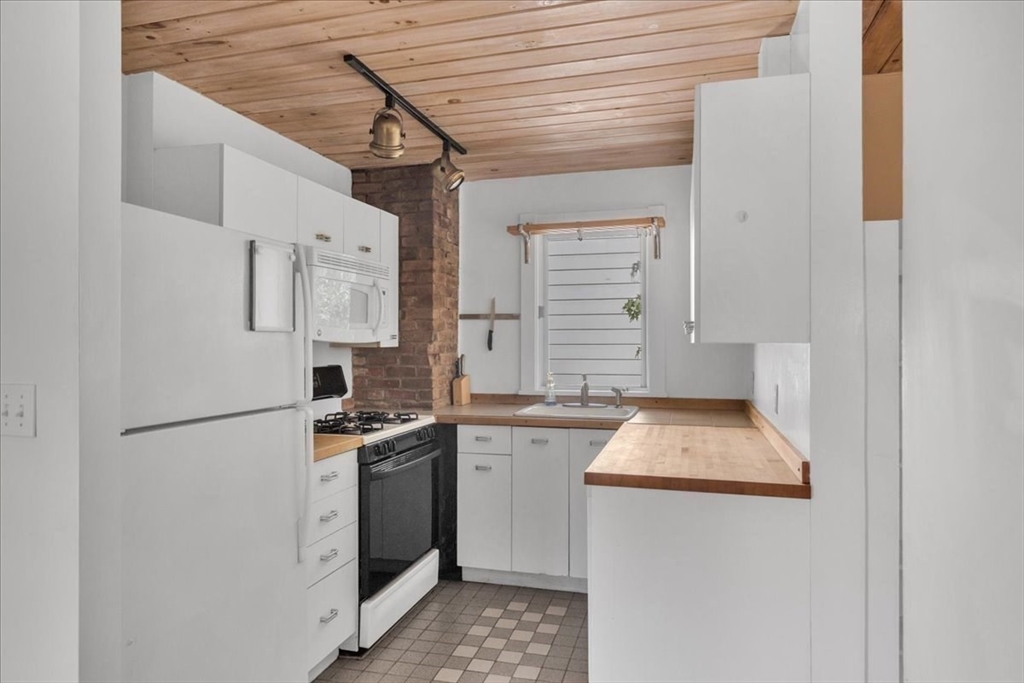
(396, 97)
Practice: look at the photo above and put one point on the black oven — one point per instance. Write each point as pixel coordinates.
(399, 495)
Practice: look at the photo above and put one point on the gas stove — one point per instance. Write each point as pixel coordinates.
(371, 425)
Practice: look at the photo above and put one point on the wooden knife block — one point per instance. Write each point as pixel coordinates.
(460, 391)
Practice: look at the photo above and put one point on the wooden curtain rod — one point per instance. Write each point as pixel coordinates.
(540, 228)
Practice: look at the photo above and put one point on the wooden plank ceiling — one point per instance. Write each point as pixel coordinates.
(883, 36)
(530, 87)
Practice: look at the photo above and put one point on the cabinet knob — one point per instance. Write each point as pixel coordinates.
(539, 442)
(328, 477)
(329, 556)
(482, 468)
(598, 443)
(330, 516)
(323, 237)
(483, 438)
(689, 326)
(365, 249)
(331, 616)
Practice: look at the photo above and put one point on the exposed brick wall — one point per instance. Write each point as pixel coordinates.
(417, 374)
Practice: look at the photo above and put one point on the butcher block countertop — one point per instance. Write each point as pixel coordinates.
(697, 446)
(329, 445)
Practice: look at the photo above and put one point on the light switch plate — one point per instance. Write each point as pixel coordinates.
(18, 410)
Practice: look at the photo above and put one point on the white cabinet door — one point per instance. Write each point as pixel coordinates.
(584, 445)
(221, 185)
(258, 197)
(751, 208)
(362, 230)
(321, 215)
(389, 257)
(540, 501)
(484, 521)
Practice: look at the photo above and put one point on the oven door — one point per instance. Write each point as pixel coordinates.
(398, 501)
(347, 307)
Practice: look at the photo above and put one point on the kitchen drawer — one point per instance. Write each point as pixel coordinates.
(485, 439)
(332, 608)
(332, 513)
(329, 553)
(335, 474)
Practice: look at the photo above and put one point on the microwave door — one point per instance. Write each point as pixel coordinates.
(346, 306)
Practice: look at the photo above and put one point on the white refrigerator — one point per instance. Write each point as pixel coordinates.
(215, 449)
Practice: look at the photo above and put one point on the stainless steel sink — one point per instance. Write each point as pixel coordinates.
(596, 411)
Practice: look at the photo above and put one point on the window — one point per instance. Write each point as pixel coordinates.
(582, 287)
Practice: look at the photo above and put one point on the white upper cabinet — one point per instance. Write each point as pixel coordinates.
(221, 185)
(362, 230)
(750, 211)
(321, 215)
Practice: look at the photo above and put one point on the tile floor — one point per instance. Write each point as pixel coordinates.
(478, 633)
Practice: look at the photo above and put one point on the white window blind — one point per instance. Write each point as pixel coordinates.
(584, 329)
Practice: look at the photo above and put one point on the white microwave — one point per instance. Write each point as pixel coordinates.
(353, 301)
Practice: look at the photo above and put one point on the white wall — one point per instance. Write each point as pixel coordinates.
(831, 31)
(787, 366)
(490, 262)
(159, 112)
(100, 341)
(39, 306)
(963, 341)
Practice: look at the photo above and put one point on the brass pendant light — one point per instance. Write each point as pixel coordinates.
(387, 131)
(448, 173)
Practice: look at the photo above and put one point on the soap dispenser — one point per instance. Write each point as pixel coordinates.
(549, 391)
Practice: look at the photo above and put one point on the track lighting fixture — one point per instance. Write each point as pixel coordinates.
(387, 131)
(448, 173)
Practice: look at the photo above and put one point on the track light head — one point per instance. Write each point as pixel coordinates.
(387, 131)
(448, 173)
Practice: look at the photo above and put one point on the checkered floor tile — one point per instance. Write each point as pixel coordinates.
(478, 633)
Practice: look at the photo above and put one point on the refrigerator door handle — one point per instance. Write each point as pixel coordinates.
(302, 526)
(307, 325)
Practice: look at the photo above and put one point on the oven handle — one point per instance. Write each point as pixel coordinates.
(377, 475)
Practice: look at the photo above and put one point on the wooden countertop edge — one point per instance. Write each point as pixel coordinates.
(336, 445)
(513, 421)
(734, 404)
(800, 465)
(740, 488)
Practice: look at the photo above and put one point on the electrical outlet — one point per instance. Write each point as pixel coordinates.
(18, 410)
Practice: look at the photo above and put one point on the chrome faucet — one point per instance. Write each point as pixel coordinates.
(585, 392)
(618, 396)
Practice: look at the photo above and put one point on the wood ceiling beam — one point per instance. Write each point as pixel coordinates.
(139, 12)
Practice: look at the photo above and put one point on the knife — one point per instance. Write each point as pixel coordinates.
(490, 332)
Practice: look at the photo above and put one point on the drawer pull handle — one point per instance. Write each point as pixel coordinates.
(330, 617)
(334, 475)
(330, 516)
(329, 556)
(323, 237)
(483, 438)
(598, 443)
(365, 249)
(539, 442)
(482, 468)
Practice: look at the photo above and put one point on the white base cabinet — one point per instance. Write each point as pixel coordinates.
(584, 446)
(688, 586)
(522, 507)
(750, 211)
(484, 524)
(540, 501)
